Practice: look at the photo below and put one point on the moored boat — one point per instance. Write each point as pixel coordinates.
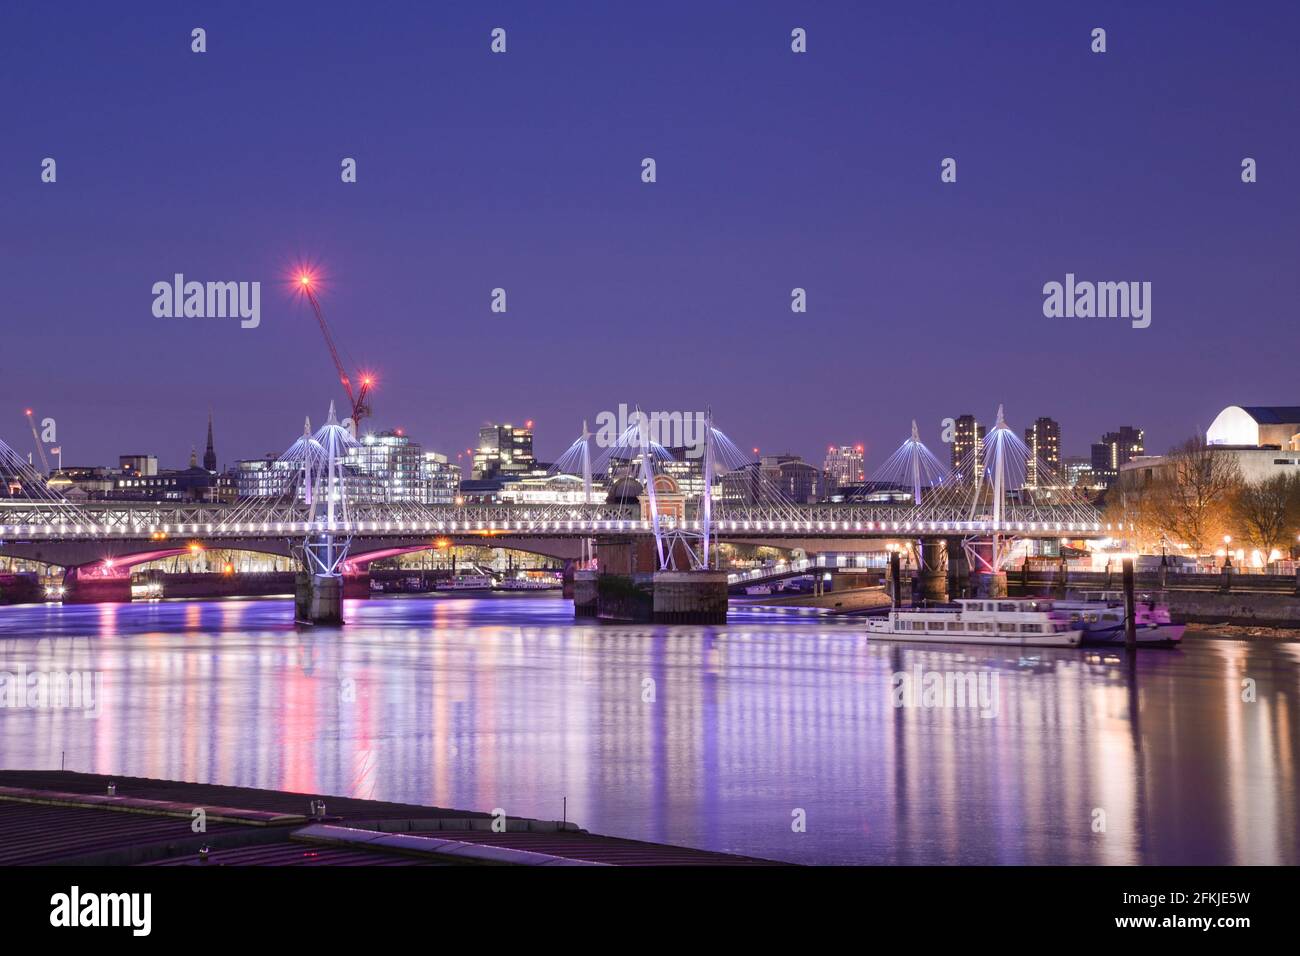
(1020, 622)
(468, 582)
(1100, 614)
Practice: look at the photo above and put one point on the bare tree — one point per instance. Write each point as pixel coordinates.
(1268, 512)
(1193, 492)
(1130, 507)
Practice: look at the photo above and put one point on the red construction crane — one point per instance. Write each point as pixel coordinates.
(357, 399)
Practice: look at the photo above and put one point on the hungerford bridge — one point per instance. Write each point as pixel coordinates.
(972, 515)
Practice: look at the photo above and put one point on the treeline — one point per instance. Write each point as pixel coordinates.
(1196, 496)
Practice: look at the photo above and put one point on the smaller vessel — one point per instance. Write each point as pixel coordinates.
(1019, 622)
(530, 584)
(759, 589)
(1101, 616)
(469, 582)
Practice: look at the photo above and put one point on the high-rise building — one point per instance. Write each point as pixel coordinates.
(1114, 450)
(266, 477)
(772, 477)
(396, 460)
(504, 450)
(845, 465)
(794, 478)
(386, 467)
(967, 440)
(443, 479)
(1043, 439)
(1076, 472)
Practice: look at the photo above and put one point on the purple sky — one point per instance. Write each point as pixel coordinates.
(522, 171)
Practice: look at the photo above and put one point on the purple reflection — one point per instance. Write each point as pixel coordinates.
(480, 703)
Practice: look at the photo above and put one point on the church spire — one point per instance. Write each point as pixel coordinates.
(210, 456)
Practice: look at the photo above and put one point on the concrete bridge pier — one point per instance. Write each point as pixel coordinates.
(585, 597)
(318, 598)
(627, 586)
(934, 570)
(986, 582)
(690, 597)
(566, 577)
(958, 569)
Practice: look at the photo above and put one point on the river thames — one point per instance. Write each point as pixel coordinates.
(776, 735)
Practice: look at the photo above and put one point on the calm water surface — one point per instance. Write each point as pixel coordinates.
(704, 736)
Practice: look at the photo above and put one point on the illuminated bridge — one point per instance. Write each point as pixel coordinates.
(982, 508)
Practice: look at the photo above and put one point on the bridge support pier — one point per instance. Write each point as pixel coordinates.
(566, 577)
(318, 598)
(986, 581)
(585, 597)
(690, 597)
(934, 570)
(958, 569)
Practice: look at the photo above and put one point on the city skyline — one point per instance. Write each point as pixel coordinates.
(691, 434)
(225, 460)
(615, 284)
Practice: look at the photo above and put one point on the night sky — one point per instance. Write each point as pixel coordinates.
(522, 171)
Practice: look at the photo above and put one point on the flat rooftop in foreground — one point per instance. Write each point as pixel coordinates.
(61, 817)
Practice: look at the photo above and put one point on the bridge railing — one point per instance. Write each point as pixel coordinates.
(133, 520)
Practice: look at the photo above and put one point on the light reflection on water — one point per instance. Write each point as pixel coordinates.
(479, 703)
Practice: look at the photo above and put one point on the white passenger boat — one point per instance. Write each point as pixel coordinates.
(529, 584)
(1101, 616)
(1019, 622)
(469, 582)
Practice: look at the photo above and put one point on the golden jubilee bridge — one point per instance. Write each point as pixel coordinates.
(982, 506)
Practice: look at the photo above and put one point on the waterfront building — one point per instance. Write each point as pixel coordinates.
(137, 465)
(1114, 451)
(1076, 472)
(395, 462)
(189, 484)
(385, 468)
(1043, 438)
(442, 478)
(1264, 441)
(82, 482)
(265, 477)
(967, 441)
(845, 465)
(504, 450)
(773, 477)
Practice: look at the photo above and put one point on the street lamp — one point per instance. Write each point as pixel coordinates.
(1227, 550)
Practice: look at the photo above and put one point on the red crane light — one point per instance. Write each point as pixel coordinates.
(356, 398)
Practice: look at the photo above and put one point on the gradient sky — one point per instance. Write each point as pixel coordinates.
(522, 171)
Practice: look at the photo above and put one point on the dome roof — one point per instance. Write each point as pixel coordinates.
(625, 489)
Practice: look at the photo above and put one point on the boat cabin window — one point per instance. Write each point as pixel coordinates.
(1006, 606)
